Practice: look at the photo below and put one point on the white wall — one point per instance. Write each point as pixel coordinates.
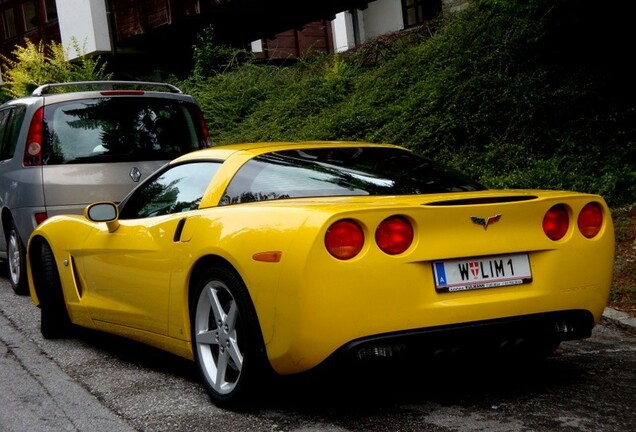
(342, 30)
(86, 23)
(380, 17)
(257, 46)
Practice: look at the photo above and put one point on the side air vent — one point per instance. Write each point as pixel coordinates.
(78, 280)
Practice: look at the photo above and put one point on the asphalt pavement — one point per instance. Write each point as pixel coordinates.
(38, 396)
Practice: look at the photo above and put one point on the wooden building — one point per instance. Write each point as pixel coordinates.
(139, 36)
(35, 20)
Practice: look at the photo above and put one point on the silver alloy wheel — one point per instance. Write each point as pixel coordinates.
(13, 254)
(216, 329)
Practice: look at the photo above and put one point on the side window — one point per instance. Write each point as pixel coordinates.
(51, 10)
(177, 189)
(30, 15)
(8, 21)
(4, 120)
(417, 12)
(10, 122)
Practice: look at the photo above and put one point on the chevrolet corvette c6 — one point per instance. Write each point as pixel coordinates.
(280, 257)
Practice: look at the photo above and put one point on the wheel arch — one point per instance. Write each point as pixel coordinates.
(202, 264)
(6, 218)
(211, 261)
(256, 369)
(35, 268)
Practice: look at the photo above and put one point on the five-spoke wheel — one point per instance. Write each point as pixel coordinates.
(226, 341)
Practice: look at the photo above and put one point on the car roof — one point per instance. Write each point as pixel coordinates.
(99, 89)
(107, 85)
(250, 150)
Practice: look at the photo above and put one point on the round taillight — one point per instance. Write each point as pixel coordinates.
(590, 220)
(394, 235)
(344, 239)
(34, 149)
(556, 222)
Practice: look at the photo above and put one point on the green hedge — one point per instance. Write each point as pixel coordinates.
(525, 97)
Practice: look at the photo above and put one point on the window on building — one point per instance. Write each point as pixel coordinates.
(416, 12)
(8, 21)
(30, 15)
(51, 10)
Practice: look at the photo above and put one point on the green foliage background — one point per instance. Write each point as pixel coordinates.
(517, 94)
(32, 65)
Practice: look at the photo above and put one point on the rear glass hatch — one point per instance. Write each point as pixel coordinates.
(99, 148)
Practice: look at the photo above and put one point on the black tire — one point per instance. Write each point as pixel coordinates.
(226, 338)
(54, 319)
(16, 262)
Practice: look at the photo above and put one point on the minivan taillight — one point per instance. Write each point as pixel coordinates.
(40, 217)
(122, 93)
(33, 149)
(204, 128)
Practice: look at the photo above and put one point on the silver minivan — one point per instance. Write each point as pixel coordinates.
(70, 144)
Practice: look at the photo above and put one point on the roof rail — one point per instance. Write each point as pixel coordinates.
(112, 85)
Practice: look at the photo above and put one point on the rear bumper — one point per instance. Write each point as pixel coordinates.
(532, 334)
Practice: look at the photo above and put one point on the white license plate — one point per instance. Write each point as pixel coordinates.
(483, 272)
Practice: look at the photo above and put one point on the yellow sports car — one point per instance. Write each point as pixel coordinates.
(279, 257)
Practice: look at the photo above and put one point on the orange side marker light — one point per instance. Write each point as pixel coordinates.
(270, 256)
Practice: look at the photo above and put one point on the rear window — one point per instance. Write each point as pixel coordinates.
(342, 172)
(122, 129)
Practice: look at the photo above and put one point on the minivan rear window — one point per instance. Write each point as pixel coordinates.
(120, 129)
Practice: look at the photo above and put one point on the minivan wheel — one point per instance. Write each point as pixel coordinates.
(16, 262)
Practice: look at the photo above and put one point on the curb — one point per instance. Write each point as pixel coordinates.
(620, 319)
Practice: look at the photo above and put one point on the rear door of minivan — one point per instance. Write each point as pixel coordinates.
(99, 148)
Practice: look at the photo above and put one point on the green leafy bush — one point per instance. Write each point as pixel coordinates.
(33, 64)
(211, 59)
(516, 94)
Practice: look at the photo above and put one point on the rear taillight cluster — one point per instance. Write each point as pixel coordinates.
(33, 149)
(556, 221)
(122, 93)
(204, 128)
(345, 238)
(40, 217)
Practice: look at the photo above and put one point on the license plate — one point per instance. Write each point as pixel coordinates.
(483, 272)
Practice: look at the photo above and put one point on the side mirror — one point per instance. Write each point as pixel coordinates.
(103, 212)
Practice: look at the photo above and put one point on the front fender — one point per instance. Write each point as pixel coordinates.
(64, 234)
